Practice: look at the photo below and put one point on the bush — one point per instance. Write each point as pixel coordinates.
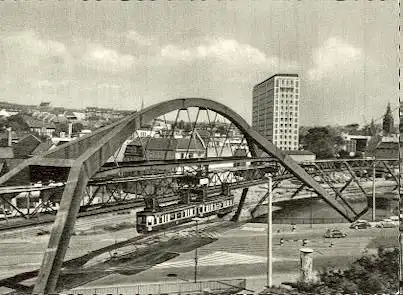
(368, 274)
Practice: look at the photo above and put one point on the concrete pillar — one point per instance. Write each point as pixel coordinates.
(306, 255)
(9, 137)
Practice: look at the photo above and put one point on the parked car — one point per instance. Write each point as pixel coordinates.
(5, 211)
(334, 233)
(360, 224)
(386, 223)
(394, 218)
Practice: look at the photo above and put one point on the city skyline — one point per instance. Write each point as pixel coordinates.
(118, 54)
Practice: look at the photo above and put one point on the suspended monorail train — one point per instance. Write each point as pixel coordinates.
(148, 221)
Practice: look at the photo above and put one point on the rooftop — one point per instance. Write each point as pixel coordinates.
(276, 75)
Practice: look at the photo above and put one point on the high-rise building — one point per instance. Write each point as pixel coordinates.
(275, 110)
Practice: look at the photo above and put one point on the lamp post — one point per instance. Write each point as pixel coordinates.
(373, 192)
(269, 236)
(311, 211)
(196, 254)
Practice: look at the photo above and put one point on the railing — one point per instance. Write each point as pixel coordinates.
(315, 220)
(202, 287)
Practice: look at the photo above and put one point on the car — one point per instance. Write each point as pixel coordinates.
(394, 218)
(334, 233)
(360, 224)
(386, 223)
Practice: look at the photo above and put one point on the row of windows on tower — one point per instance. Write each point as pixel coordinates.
(288, 102)
(285, 137)
(287, 82)
(285, 131)
(286, 91)
(288, 145)
(286, 114)
(282, 107)
(285, 119)
(286, 125)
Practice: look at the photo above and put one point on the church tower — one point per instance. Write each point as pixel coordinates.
(387, 125)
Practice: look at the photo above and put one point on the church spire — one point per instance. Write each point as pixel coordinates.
(387, 125)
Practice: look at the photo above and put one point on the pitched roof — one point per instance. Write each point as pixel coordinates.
(6, 152)
(34, 123)
(42, 147)
(24, 147)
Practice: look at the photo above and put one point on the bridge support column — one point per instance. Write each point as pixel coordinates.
(240, 205)
(61, 232)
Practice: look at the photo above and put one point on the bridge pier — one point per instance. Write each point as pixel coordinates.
(61, 232)
(240, 205)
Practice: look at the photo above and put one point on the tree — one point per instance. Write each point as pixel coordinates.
(181, 125)
(187, 127)
(61, 127)
(323, 141)
(370, 129)
(17, 123)
(77, 127)
(369, 274)
(221, 129)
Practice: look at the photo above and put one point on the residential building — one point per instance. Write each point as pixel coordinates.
(275, 110)
(387, 150)
(301, 156)
(158, 148)
(355, 143)
(40, 126)
(95, 113)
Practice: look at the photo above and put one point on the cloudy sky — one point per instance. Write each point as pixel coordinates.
(116, 54)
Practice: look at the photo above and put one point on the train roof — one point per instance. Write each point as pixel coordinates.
(171, 208)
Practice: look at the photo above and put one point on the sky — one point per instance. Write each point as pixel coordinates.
(118, 54)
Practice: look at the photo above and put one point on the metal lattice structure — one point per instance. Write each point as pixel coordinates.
(79, 166)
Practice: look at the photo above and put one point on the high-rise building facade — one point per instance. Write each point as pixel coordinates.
(275, 110)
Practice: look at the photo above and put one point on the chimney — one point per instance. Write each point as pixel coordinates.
(70, 129)
(9, 137)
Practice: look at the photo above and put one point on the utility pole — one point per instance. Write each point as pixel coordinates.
(373, 192)
(196, 256)
(311, 199)
(269, 236)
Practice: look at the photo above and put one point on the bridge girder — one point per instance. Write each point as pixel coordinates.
(79, 161)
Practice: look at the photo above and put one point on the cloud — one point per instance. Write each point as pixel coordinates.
(228, 51)
(28, 50)
(138, 38)
(333, 56)
(108, 60)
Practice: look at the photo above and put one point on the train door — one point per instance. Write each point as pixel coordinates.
(150, 221)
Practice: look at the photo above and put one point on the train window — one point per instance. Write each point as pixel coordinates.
(201, 209)
(141, 219)
(155, 220)
(172, 216)
(150, 221)
(179, 215)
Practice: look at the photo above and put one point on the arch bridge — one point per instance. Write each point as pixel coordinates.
(81, 168)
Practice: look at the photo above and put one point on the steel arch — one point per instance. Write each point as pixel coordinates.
(85, 156)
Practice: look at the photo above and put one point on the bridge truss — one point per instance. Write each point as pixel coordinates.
(76, 175)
